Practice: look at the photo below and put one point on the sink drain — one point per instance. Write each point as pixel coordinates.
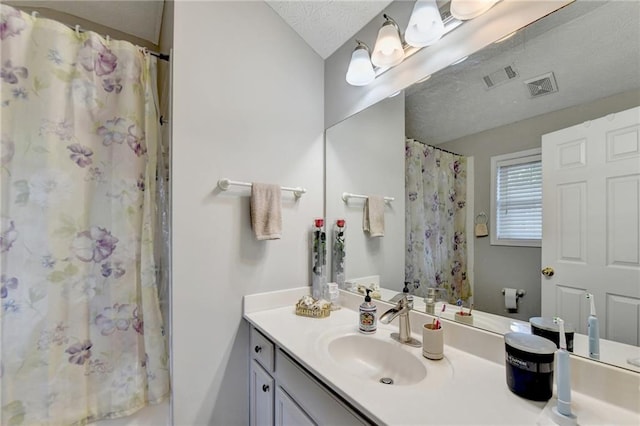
(386, 381)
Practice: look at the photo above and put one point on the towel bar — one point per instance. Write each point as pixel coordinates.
(347, 195)
(224, 184)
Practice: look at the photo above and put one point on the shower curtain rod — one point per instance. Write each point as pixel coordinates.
(435, 147)
(159, 55)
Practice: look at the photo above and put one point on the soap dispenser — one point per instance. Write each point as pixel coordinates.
(430, 301)
(368, 315)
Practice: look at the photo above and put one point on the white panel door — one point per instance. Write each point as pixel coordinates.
(591, 224)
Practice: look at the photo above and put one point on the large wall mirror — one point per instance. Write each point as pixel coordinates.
(483, 108)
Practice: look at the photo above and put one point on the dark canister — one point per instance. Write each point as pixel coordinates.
(529, 365)
(546, 328)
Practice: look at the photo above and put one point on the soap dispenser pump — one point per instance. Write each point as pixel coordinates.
(430, 301)
(368, 315)
(409, 297)
(593, 330)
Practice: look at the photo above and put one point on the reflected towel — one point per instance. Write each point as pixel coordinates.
(266, 216)
(373, 218)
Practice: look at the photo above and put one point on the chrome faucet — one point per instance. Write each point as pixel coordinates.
(402, 309)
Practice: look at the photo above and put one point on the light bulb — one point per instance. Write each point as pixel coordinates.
(469, 9)
(360, 71)
(425, 24)
(388, 50)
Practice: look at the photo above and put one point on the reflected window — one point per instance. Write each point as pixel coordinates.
(516, 199)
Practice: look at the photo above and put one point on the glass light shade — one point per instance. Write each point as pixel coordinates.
(360, 71)
(425, 24)
(469, 9)
(388, 50)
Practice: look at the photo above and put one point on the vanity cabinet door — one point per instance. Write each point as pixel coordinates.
(312, 397)
(288, 413)
(261, 396)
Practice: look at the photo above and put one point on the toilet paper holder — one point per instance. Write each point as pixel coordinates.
(519, 293)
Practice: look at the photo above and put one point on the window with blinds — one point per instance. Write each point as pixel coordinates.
(516, 199)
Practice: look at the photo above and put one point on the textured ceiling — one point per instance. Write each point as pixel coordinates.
(594, 55)
(326, 25)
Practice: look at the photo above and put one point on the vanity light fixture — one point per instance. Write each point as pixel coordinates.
(425, 24)
(388, 50)
(360, 71)
(469, 9)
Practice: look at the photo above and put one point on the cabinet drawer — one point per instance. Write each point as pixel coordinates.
(262, 350)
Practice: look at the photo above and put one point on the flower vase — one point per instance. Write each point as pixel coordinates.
(339, 253)
(318, 260)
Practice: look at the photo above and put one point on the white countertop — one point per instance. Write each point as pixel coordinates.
(460, 389)
(611, 352)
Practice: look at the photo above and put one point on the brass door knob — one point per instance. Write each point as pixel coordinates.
(548, 272)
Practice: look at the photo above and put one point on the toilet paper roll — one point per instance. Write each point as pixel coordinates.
(510, 298)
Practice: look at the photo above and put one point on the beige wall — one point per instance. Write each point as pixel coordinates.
(518, 267)
(248, 105)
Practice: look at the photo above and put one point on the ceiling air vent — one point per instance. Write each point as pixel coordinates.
(541, 85)
(498, 77)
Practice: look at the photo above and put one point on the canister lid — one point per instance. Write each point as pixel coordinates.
(530, 343)
(548, 324)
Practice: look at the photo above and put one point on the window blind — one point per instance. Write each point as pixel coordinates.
(519, 199)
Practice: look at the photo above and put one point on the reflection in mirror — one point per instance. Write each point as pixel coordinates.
(480, 109)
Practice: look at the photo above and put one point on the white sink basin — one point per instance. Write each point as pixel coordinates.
(375, 359)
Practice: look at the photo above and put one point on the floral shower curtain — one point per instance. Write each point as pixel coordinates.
(81, 331)
(435, 188)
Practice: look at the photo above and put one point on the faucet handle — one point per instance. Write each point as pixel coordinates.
(403, 303)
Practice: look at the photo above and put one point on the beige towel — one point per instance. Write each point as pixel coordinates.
(481, 230)
(373, 218)
(266, 217)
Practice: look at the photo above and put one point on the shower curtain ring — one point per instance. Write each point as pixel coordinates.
(78, 30)
(34, 14)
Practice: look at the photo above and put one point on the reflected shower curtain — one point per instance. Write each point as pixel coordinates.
(82, 335)
(436, 247)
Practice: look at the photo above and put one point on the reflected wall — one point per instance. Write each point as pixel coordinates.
(365, 155)
(518, 267)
